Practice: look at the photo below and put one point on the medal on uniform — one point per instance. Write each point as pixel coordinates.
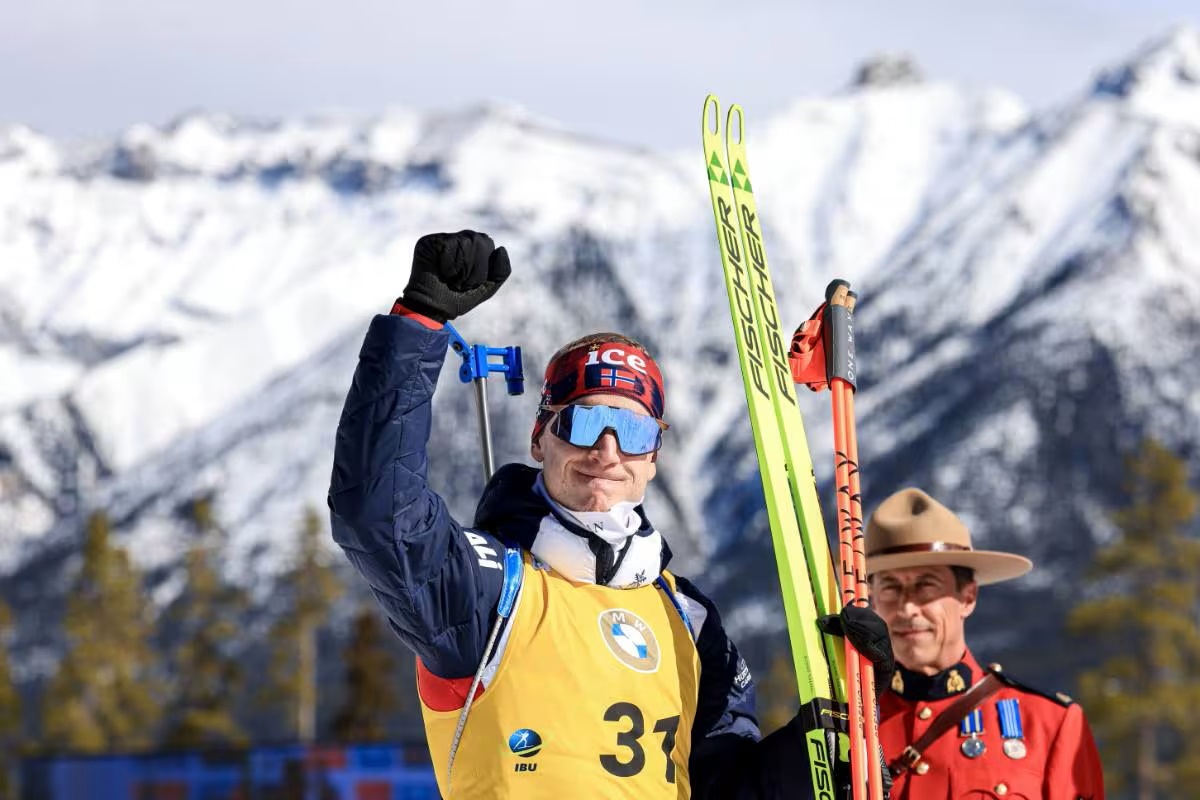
(971, 726)
(1011, 728)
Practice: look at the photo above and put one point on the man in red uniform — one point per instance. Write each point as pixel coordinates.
(951, 728)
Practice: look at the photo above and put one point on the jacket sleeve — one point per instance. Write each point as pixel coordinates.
(438, 583)
(1073, 767)
(730, 759)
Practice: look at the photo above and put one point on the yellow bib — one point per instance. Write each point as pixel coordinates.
(594, 696)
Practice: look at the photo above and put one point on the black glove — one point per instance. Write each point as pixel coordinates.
(867, 631)
(454, 272)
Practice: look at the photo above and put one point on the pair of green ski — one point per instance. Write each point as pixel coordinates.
(806, 573)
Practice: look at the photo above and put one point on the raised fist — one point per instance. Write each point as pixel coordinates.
(454, 272)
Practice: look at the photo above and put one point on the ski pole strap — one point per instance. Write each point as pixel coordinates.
(806, 356)
(514, 571)
(661, 583)
(967, 702)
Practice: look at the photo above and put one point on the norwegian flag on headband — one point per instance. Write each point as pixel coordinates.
(602, 368)
(611, 378)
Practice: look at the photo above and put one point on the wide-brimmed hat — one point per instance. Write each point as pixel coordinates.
(911, 529)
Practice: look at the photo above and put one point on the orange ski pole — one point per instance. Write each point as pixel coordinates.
(842, 387)
(822, 355)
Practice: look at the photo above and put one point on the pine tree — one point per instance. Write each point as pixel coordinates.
(310, 587)
(104, 696)
(203, 622)
(371, 681)
(1142, 699)
(10, 706)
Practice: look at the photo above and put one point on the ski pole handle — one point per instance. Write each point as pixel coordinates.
(839, 333)
(477, 365)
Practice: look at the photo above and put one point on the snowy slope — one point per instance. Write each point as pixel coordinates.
(1037, 320)
(180, 309)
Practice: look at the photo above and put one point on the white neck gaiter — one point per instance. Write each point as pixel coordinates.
(569, 555)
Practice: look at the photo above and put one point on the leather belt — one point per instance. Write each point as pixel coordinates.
(967, 702)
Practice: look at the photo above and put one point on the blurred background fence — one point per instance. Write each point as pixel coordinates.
(295, 772)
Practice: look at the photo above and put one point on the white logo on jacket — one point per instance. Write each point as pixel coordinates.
(488, 558)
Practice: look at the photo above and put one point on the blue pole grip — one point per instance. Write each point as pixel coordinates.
(478, 362)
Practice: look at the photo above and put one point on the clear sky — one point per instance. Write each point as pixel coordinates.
(631, 70)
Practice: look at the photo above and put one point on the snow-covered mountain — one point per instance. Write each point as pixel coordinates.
(180, 313)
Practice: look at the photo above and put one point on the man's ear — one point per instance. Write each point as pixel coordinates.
(535, 450)
(969, 596)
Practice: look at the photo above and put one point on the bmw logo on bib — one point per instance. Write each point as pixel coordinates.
(630, 639)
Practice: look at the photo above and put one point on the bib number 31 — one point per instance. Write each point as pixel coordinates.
(629, 739)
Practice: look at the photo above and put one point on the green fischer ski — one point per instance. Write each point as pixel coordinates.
(797, 531)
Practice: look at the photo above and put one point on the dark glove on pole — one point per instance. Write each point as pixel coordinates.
(454, 272)
(867, 631)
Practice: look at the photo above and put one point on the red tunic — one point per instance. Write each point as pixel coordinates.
(1058, 762)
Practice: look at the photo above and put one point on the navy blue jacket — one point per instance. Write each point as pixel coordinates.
(439, 594)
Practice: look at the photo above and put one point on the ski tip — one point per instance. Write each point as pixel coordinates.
(836, 288)
(734, 122)
(851, 300)
(711, 119)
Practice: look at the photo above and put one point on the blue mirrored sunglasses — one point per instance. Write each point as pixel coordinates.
(582, 426)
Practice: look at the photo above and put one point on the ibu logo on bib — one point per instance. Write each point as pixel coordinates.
(630, 639)
(525, 743)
